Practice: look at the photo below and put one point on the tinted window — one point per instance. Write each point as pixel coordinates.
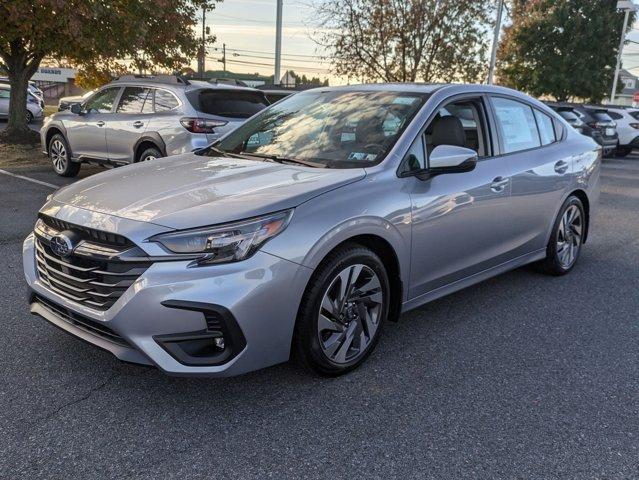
(165, 101)
(5, 93)
(546, 128)
(102, 102)
(517, 125)
(634, 115)
(601, 116)
(615, 115)
(567, 115)
(132, 100)
(228, 103)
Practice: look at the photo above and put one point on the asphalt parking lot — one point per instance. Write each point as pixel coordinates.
(521, 377)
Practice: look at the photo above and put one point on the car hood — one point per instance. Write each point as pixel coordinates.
(191, 190)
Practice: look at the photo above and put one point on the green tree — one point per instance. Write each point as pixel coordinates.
(561, 48)
(407, 40)
(91, 32)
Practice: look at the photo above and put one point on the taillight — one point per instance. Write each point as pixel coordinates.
(201, 125)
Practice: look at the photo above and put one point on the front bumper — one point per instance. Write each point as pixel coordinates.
(260, 294)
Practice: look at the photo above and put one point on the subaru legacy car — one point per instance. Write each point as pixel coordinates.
(137, 118)
(308, 228)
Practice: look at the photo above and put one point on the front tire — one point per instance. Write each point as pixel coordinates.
(60, 157)
(342, 312)
(566, 239)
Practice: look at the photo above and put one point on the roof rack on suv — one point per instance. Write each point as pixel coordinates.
(167, 79)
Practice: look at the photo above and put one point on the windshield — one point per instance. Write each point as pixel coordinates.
(334, 129)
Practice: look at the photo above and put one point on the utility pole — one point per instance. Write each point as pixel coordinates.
(493, 53)
(278, 44)
(224, 56)
(627, 7)
(202, 62)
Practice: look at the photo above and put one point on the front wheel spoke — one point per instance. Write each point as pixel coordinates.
(333, 343)
(325, 323)
(342, 351)
(328, 307)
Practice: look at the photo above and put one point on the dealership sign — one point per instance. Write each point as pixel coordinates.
(53, 74)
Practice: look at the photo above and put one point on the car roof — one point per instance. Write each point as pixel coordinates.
(176, 84)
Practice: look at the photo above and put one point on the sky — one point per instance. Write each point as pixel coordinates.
(248, 29)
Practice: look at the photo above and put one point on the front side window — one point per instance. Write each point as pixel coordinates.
(132, 100)
(335, 129)
(165, 101)
(546, 128)
(517, 125)
(102, 102)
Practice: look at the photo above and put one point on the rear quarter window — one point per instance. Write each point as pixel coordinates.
(228, 103)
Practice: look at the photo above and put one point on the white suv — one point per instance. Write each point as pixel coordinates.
(627, 120)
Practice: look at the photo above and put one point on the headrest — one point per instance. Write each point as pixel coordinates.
(448, 130)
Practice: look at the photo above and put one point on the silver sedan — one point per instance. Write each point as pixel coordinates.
(311, 225)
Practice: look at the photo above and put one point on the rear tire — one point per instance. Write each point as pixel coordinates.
(566, 239)
(149, 154)
(623, 151)
(343, 312)
(60, 157)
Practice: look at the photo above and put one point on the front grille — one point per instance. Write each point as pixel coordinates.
(112, 239)
(82, 322)
(95, 274)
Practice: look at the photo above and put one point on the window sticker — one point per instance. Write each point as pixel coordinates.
(514, 125)
(359, 156)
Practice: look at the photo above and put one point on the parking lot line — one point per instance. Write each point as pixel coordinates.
(33, 180)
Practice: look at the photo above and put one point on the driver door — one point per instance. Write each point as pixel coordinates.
(461, 222)
(86, 132)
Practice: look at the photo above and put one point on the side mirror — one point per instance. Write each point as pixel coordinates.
(76, 108)
(451, 159)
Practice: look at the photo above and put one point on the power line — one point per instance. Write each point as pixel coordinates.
(270, 53)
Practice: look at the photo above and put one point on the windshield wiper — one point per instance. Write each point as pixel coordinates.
(225, 153)
(280, 159)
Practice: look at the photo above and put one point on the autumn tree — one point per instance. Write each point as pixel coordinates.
(561, 48)
(88, 33)
(407, 40)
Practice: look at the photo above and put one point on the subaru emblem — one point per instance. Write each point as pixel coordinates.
(61, 245)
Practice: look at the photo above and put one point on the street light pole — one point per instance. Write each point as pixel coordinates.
(278, 43)
(493, 53)
(627, 7)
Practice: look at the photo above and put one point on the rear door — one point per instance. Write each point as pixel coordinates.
(128, 123)
(86, 132)
(540, 165)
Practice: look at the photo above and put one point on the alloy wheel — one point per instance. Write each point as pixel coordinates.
(58, 155)
(148, 158)
(569, 236)
(349, 314)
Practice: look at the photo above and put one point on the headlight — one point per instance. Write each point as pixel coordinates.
(230, 242)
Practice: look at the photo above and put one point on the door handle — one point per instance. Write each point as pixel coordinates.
(138, 124)
(100, 123)
(561, 167)
(499, 184)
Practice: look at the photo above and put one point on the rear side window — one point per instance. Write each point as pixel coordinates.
(165, 101)
(546, 128)
(517, 125)
(228, 103)
(634, 115)
(132, 100)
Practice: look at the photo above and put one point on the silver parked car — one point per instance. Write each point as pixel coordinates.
(135, 119)
(310, 226)
(35, 106)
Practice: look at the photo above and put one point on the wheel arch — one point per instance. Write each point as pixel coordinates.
(583, 196)
(53, 130)
(152, 140)
(387, 253)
